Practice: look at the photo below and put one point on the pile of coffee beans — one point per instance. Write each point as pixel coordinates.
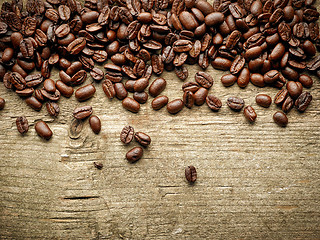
(126, 136)
(265, 42)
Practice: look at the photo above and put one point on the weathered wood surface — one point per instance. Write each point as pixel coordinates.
(255, 181)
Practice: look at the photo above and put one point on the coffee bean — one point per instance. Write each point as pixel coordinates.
(287, 104)
(131, 105)
(140, 85)
(235, 103)
(78, 78)
(157, 86)
(85, 92)
(257, 79)
(303, 101)
(213, 103)
(280, 118)
(188, 99)
(97, 74)
(34, 103)
(263, 100)
(306, 81)
(95, 124)
(221, 63)
(142, 138)
(181, 72)
(53, 108)
(214, 19)
(120, 90)
(200, 96)
(191, 174)
(82, 112)
(22, 124)
(237, 65)
(108, 89)
(134, 154)
(140, 97)
(49, 85)
(294, 89)
(277, 52)
(281, 96)
(51, 96)
(175, 106)
(228, 80)
(74, 68)
(43, 130)
(17, 81)
(127, 134)
(244, 78)
(250, 114)
(159, 102)
(204, 79)
(76, 46)
(64, 89)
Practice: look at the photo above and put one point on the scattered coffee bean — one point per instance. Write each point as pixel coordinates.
(235, 103)
(131, 105)
(191, 174)
(22, 124)
(303, 101)
(250, 114)
(142, 138)
(134, 154)
(43, 130)
(159, 102)
(213, 103)
(263, 100)
(53, 108)
(82, 112)
(95, 124)
(175, 106)
(127, 134)
(280, 118)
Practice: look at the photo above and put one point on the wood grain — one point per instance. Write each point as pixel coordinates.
(255, 181)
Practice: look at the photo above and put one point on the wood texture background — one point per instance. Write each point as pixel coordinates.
(255, 181)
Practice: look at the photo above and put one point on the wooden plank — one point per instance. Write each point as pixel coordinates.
(255, 181)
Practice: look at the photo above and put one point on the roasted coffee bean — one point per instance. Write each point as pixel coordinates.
(294, 89)
(49, 85)
(244, 78)
(45, 71)
(26, 48)
(27, 92)
(190, 86)
(214, 19)
(120, 90)
(191, 173)
(2, 103)
(263, 100)
(281, 119)
(287, 104)
(188, 99)
(188, 20)
(64, 89)
(38, 94)
(76, 46)
(74, 68)
(131, 105)
(51, 96)
(157, 86)
(213, 103)
(281, 96)
(237, 65)
(43, 130)
(113, 72)
(228, 80)
(62, 31)
(78, 78)
(127, 134)
(204, 79)
(82, 112)
(108, 89)
(159, 102)
(271, 76)
(7, 55)
(87, 62)
(85, 92)
(34, 103)
(95, 124)
(305, 80)
(157, 64)
(142, 138)
(140, 97)
(200, 96)
(53, 108)
(22, 124)
(253, 53)
(140, 85)
(182, 46)
(181, 72)
(235, 103)
(97, 74)
(250, 114)
(17, 81)
(277, 52)
(303, 101)
(134, 154)
(64, 12)
(221, 63)
(257, 79)
(175, 106)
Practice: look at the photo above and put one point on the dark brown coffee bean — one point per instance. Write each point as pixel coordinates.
(237, 65)
(134, 154)
(200, 96)
(22, 124)
(131, 105)
(221, 63)
(204, 79)
(140, 97)
(191, 174)
(271, 76)
(108, 89)
(188, 99)
(294, 89)
(157, 86)
(34, 103)
(82, 112)
(76, 46)
(53, 108)
(263, 100)
(140, 85)
(120, 90)
(26, 48)
(188, 20)
(250, 114)
(38, 94)
(257, 79)
(49, 85)
(64, 89)
(127, 134)
(281, 96)
(181, 72)
(78, 78)
(157, 64)
(182, 46)
(277, 52)
(244, 78)
(142, 138)
(159, 102)
(85, 92)
(280, 118)
(190, 86)
(175, 106)
(51, 96)
(287, 104)
(303, 101)
(228, 80)
(27, 92)
(43, 130)
(306, 81)
(64, 12)
(17, 81)
(95, 124)
(7, 54)
(74, 68)
(214, 19)
(213, 103)
(97, 74)
(235, 103)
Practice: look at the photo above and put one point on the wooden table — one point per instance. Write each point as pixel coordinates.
(255, 181)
